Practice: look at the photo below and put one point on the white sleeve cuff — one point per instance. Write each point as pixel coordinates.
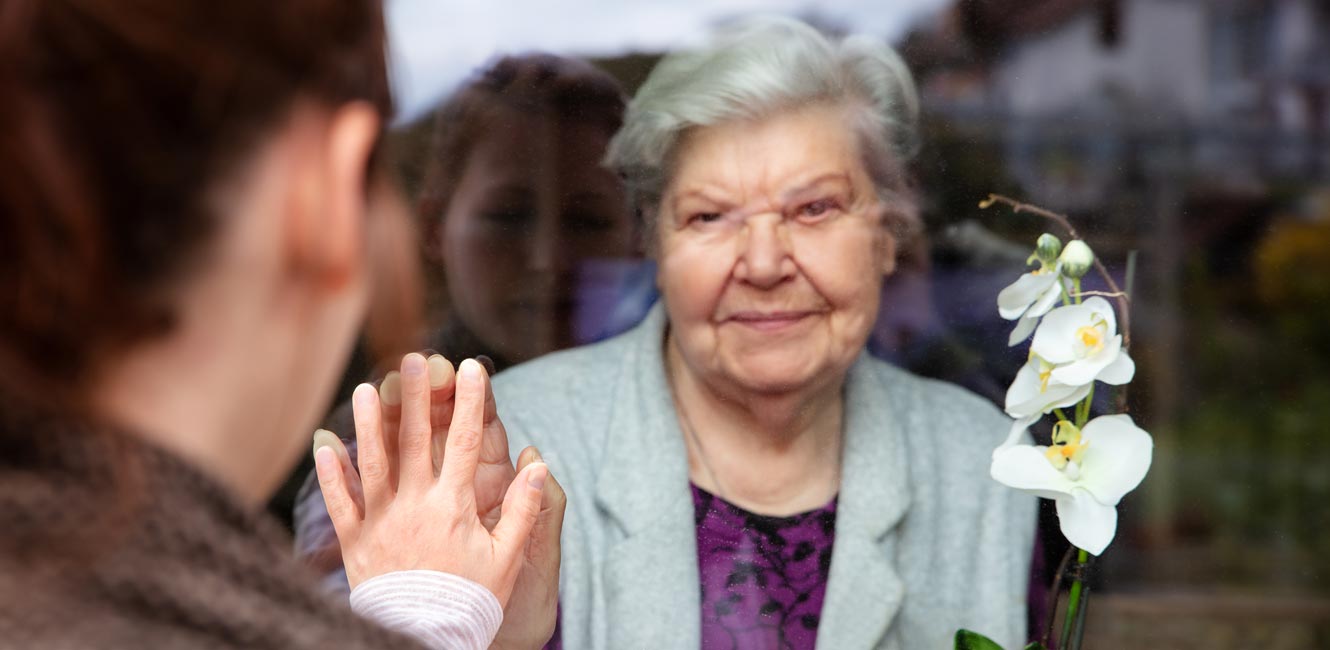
(441, 610)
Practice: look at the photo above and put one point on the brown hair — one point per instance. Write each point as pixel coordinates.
(117, 118)
(566, 89)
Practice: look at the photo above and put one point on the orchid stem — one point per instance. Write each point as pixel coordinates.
(1054, 591)
(1074, 602)
(1083, 409)
(1061, 416)
(1078, 632)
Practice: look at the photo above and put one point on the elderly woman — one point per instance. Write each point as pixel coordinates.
(740, 473)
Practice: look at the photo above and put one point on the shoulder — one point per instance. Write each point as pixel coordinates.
(950, 432)
(562, 402)
(941, 403)
(571, 379)
(549, 380)
(981, 531)
(562, 383)
(950, 436)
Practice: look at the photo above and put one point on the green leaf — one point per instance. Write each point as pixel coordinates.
(967, 640)
(1035, 646)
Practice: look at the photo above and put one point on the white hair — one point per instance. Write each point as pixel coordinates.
(762, 67)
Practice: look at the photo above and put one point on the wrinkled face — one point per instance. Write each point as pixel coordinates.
(531, 205)
(772, 251)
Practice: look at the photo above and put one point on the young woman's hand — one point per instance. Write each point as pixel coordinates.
(419, 512)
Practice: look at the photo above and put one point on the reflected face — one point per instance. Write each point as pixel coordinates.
(772, 252)
(532, 203)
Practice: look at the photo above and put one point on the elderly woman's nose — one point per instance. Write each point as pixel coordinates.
(764, 252)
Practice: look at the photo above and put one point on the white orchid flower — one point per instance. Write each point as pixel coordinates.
(1082, 344)
(1030, 297)
(1087, 472)
(1034, 392)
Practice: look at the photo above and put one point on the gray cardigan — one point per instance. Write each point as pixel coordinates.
(925, 541)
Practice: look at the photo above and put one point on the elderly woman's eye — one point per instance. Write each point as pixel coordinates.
(704, 217)
(818, 208)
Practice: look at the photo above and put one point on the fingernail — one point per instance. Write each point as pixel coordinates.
(439, 368)
(486, 363)
(535, 455)
(390, 391)
(536, 479)
(323, 438)
(413, 364)
(326, 460)
(470, 370)
(361, 395)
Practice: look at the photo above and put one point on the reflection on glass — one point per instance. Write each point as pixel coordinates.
(516, 204)
(532, 243)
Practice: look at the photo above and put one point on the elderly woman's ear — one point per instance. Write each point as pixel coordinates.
(887, 238)
(887, 253)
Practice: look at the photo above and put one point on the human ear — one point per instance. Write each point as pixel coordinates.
(887, 252)
(328, 238)
(886, 241)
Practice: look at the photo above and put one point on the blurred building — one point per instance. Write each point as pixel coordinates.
(1222, 91)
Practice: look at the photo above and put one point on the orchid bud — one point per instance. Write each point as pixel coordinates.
(1076, 259)
(1047, 249)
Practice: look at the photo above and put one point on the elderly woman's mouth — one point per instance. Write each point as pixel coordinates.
(771, 320)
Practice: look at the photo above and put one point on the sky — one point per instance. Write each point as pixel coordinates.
(435, 44)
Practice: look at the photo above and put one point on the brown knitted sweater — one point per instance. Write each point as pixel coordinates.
(170, 562)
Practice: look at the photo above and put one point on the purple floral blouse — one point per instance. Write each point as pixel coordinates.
(763, 578)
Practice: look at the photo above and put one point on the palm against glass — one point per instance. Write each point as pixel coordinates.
(401, 405)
